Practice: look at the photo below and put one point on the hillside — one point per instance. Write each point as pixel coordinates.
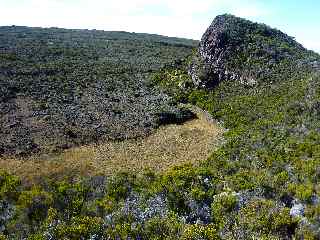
(264, 87)
(61, 88)
(261, 182)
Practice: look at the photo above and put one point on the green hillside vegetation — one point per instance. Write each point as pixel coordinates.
(262, 183)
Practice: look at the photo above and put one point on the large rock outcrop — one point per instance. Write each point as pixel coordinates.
(233, 48)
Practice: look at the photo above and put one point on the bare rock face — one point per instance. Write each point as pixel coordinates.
(233, 48)
(207, 68)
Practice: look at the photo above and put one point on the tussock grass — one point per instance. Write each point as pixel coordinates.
(169, 145)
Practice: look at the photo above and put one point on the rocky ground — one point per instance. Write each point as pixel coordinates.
(60, 88)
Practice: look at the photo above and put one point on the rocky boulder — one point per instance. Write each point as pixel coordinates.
(233, 48)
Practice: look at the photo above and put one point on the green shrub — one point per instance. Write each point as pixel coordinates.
(176, 183)
(37, 236)
(124, 230)
(263, 216)
(120, 185)
(198, 193)
(82, 227)
(200, 232)
(306, 232)
(69, 198)
(36, 203)
(222, 205)
(281, 178)
(243, 180)
(183, 183)
(9, 186)
(162, 228)
(303, 192)
(312, 212)
(106, 205)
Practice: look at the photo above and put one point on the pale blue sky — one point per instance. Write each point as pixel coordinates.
(180, 18)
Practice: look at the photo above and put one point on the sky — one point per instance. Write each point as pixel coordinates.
(175, 18)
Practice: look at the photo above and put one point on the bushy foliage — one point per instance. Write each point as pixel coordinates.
(197, 232)
(9, 186)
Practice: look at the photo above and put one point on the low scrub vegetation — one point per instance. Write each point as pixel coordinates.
(262, 182)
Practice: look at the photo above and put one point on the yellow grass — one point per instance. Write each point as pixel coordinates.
(169, 145)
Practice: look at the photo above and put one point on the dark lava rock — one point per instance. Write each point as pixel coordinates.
(233, 48)
(69, 88)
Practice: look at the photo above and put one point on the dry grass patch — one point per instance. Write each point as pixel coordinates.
(169, 145)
